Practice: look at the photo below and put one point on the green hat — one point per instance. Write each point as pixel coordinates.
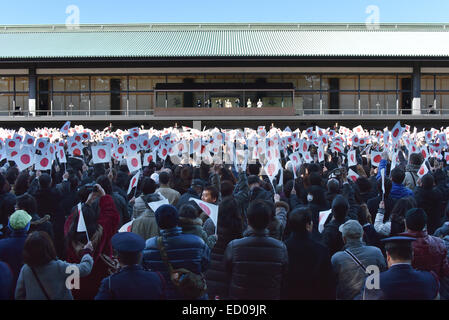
(19, 220)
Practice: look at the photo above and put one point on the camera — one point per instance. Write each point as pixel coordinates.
(91, 187)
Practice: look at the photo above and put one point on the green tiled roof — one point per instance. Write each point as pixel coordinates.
(223, 40)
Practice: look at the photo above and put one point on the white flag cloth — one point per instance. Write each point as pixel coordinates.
(24, 158)
(352, 160)
(156, 204)
(322, 219)
(134, 182)
(81, 224)
(127, 227)
(352, 175)
(210, 209)
(134, 162)
(101, 154)
(65, 128)
(423, 170)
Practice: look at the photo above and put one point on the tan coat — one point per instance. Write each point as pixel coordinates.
(171, 194)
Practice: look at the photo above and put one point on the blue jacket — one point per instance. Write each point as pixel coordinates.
(132, 283)
(402, 282)
(6, 282)
(11, 252)
(183, 250)
(398, 191)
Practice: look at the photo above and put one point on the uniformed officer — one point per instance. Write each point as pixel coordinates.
(132, 282)
(401, 281)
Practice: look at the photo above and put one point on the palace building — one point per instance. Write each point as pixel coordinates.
(212, 72)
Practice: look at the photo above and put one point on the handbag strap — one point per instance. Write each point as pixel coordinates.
(40, 284)
(164, 255)
(355, 259)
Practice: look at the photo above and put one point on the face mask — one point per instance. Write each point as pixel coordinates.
(309, 198)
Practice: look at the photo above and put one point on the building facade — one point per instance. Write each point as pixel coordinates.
(216, 71)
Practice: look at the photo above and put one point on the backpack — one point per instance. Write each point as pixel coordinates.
(189, 284)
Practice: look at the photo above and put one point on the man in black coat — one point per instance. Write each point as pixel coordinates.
(430, 200)
(310, 273)
(47, 197)
(331, 235)
(7, 202)
(194, 191)
(257, 264)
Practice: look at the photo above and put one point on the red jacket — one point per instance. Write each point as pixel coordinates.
(109, 220)
(429, 253)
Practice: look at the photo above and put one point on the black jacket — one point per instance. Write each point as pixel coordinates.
(332, 237)
(257, 266)
(216, 277)
(431, 202)
(185, 198)
(310, 273)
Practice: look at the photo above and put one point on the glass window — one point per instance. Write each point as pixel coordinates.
(345, 82)
(378, 82)
(308, 82)
(6, 103)
(349, 102)
(22, 84)
(378, 103)
(101, 83)
(443, 82)
(6, 84)
(309, 103)
(427, 82)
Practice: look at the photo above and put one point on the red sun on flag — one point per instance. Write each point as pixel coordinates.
(396, 132)
(13, 154)
(44, 162)
(30, 141)
(101, 153)
(25, 159)
(120, 150)
(156, 143)
(78, 138)
(133, 146)
(421, 171)
(11, 144)
(134, 162)
(76, 152)
(150, 158)
(205, 208)
(270, 169)
(164, 152)
(377, 159)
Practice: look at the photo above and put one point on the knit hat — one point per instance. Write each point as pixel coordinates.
(351, 229)
(19, 220)
(166, 216)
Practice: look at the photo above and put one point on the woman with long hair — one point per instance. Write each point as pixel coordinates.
(229, 227)
(102, 222)
(43, 276)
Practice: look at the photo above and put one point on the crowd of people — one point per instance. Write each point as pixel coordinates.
(312, 231)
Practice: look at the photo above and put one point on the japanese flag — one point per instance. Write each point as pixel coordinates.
(352, 175)
(28, 140)
(65, 128)
(352, 160)
(101, 154)
(134, 182)
(307, 157)
(163, 152)
(12, 144)
(43, 162)
(320, 154)
(134, 132)
(425, 153)
(76, 149)
(210, 209)
(423, 170)
(396, 132)
(272, 169)
(148, 158)
(376, 157)
(322, 219)
(132, 146)
(120, 150)
(42, 144)
(24, 158)
(134, 163)
(60, 154)
(86, 136)
(155, 143)
(196, 146)
(127, 227)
